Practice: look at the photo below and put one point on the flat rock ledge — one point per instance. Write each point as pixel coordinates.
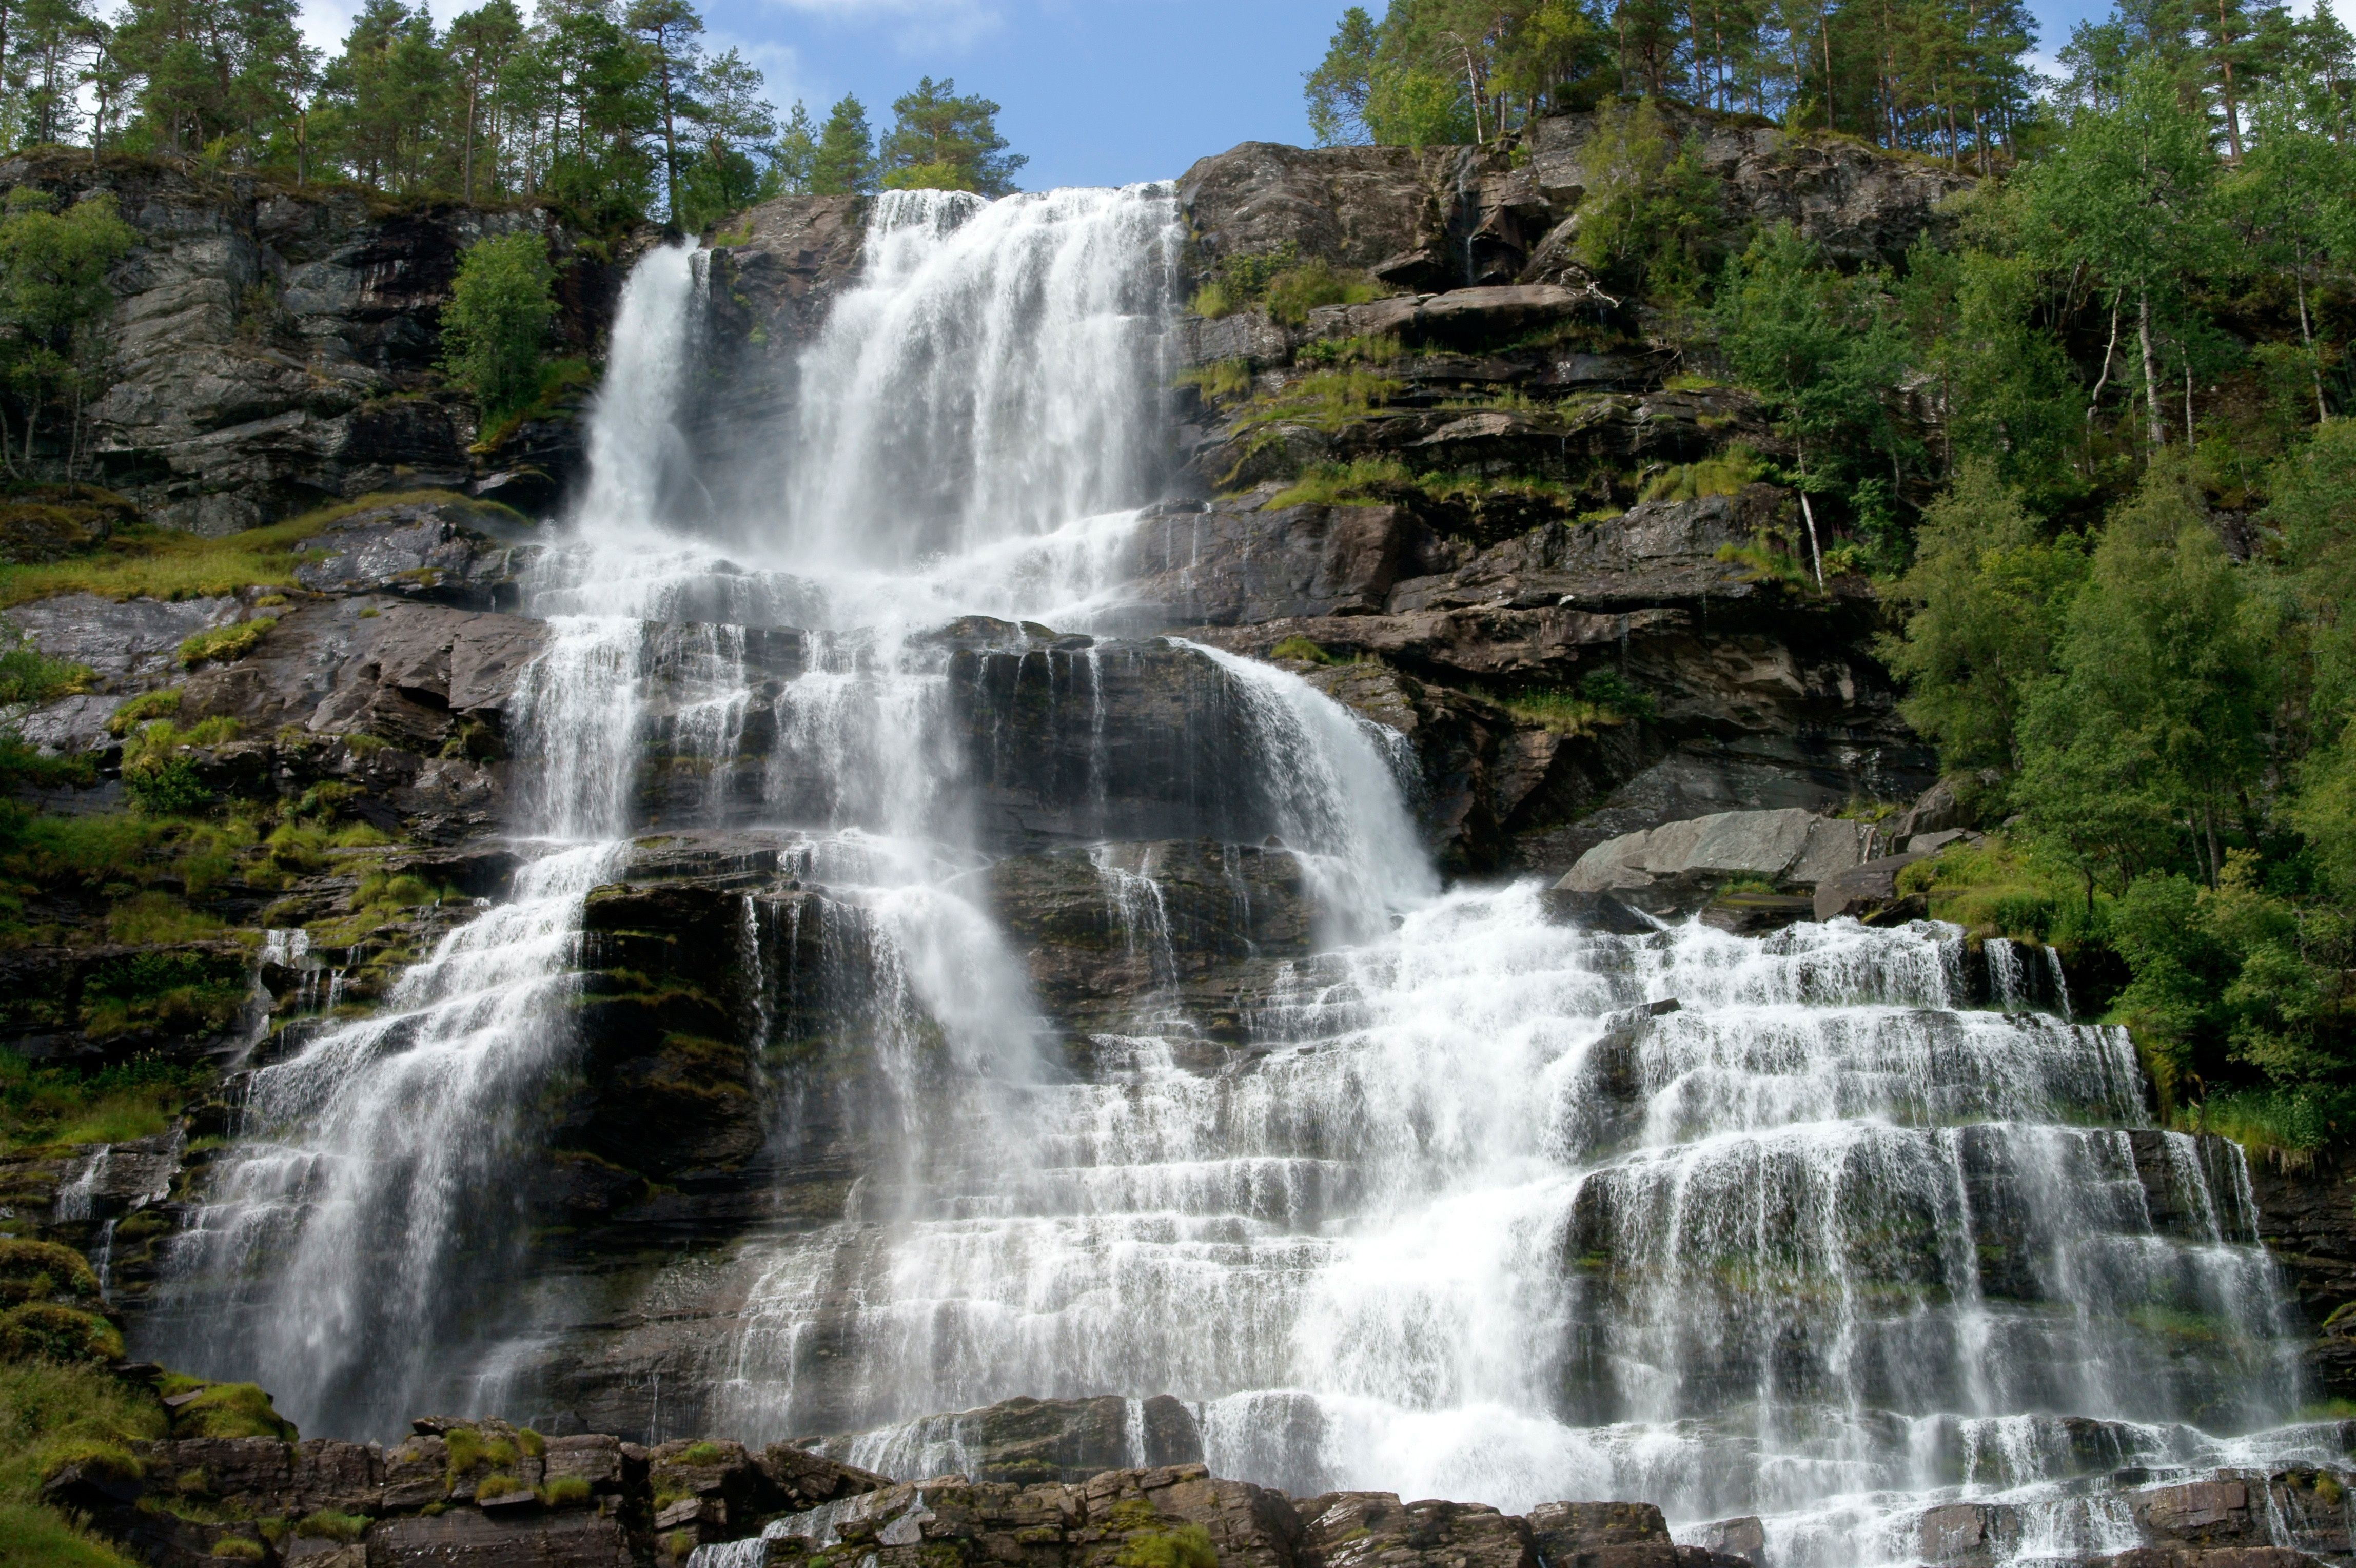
(481, 1493)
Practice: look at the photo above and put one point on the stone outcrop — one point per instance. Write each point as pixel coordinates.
(274, 348)
(1787, 847)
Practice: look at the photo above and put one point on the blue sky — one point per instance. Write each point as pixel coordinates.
(1095, 92)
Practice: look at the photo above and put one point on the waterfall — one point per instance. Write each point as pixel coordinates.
(1461, 1202)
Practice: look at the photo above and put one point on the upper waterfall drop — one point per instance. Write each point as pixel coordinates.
(995, 375)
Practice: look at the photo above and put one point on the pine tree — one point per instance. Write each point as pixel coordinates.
(844, 163)
(944, 142)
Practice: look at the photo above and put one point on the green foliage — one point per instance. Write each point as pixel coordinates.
(1302, 650)
(58, 1334)
(1721, 473)
(53, 1413)
(1819, 348)
(843, 163)
(239, 1548)
(53, 299)
(565, 1491)
(942, 142)
(44, 1271)
(1990, 592)
(59, 1107)
(138, 710)
(231, 1410)
(496, 322)
(1649, 202)
(1222, 381)
(1611, 691)
(498, 1484)
(1340, 484)
(1186, 1546)
(225, 642)
(1280, 281)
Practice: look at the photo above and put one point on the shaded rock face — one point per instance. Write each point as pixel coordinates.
(273, 350)
(2307, 1214)
(467, 1491)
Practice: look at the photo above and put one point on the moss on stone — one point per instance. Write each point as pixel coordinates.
(58, 1334)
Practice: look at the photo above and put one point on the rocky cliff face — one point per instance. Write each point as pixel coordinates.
(276, 349)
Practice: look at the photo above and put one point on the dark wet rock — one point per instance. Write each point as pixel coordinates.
(1596, 911)
(1237, 562)
(1602, 1535)
(1862, 889)
(274, 348)
(1027, 1441)
(1352, 207)
(2306, 1216)
(131, 644)
(435, 552)
(1375, 1530)
(1104, 930)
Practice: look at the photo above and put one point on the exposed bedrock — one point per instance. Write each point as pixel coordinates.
(276, 349)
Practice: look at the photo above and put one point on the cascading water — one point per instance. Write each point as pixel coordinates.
(1481, 1206)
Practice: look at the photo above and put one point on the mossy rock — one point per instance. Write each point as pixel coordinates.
(58, 1334)
(92, 1456)
(228, 1410)
(44, 1271)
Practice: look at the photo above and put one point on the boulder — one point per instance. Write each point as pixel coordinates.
(1782, 846)
(1863, 888)
(1744, 1538)
(1602, 1535)
(1364, 1530)
(1352, 207)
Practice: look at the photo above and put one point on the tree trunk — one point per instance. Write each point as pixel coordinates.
(2150, 371)
(2306, 336)
(2226, 62)
(471, 78)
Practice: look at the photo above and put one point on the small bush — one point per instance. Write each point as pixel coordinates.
(146, 706)
(1723, 474)
(58, 1334)
(1221, 380)
(1339, 483)
(239, 1548)
(27, 676)
(1302, 650)
(533, 1443)
(495, 324)
(326, 1524)
(1291, 296)
(233, 641)
(1609, 690)
(1188, 1546)
(150, 918)
(464, 1445)
(565, 1491)
(231, 1410)
(498, 1484)
(1382, 350)
(702, 1454)
(44, 1271)
(95, 1456)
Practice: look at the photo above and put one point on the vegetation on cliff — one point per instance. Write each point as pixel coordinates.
(613, 109)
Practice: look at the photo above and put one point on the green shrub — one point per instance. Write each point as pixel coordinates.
(231, 1410)
(326, 1524)
(1609, 690)
(1381, 350)
(1302, 648)
(702, 1454)
(138, 710)
(1221, 380)
(1188, 1546)
(96, 1455)
(233, 641)
(495, 324)
(168, 787)
(58, 1334)
(41, 1538)
(239, 1548)
(43, 1271)
(463, 1446)
(565, 1491)
(28, 676)
(533, 1443)
(1291, 296)
(498, 1484)
(1720, 474)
